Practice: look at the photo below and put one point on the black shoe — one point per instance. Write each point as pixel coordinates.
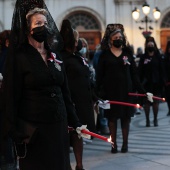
(168, 114)
(137, 113)
(79, 168)
(124, 148)
(114, 149)
(155, 122)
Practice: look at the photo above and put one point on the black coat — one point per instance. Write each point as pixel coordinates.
(39, 95)
(78, 75)
(114, 79)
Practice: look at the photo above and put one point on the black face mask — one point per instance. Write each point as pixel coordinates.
(117, 43)
(40, 33)
(150, 49)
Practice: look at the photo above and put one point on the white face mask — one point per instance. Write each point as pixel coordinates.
(83, 50)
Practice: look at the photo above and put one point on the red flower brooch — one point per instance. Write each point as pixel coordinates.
(56, 62)
(146, 61)
(125, 59)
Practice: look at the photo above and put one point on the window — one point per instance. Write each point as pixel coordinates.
(84, 21)
(166, 21)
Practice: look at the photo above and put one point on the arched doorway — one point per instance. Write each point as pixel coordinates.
(165, 31)
(87, 26)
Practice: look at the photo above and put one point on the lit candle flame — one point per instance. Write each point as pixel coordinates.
(163, 99)
(138, 106)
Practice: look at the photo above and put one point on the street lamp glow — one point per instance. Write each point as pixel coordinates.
(156, 13)
(135, 14)
(146, 19)
(146, 8)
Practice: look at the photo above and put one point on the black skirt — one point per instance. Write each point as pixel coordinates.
(50, 150)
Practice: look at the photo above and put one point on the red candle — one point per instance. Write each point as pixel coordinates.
(136, 94)
(125, 104)
(143, 95)
(159, 98)
(95, 135)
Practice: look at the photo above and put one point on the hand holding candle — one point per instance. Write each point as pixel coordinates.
(80, 134)
(149, 97)
(96, 135)
(87, 132)
(144, 95)
(106, 104)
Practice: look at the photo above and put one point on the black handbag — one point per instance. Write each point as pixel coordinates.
(27, 129)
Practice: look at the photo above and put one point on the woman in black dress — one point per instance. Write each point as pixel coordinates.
(78, 75)
(38, 104)
(167, 72)
(116, 73)
(152, 76)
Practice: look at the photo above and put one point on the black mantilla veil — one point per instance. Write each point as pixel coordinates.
(67, 34)
(18, 37)
(19, 24)
(151, 39)
(111, 28)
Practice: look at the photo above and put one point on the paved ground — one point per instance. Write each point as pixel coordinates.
(149, 147)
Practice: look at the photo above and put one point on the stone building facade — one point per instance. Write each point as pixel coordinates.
(90, 18)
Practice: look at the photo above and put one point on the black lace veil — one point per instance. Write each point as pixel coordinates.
(67, 34)
(19, 24)
(151, 39)
(111, 28)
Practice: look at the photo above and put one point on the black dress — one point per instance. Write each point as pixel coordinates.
(114, 79)
(167, 73)
(40, 95)
(78, 75)
(151, 73)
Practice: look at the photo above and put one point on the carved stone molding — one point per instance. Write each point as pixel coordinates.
(129, 1)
